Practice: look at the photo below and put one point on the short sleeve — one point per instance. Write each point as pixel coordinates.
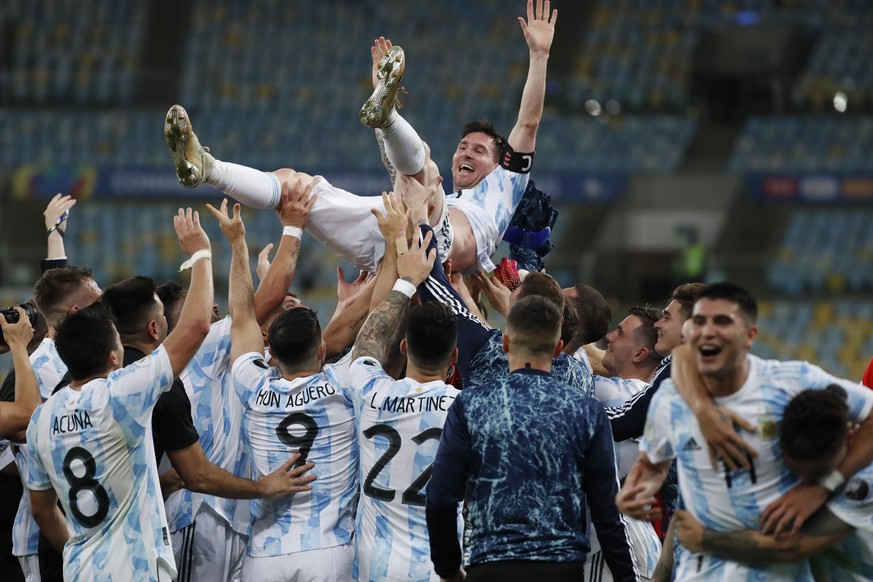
(248, 373)
(364, 376)
(135, 389)
(37, 476)
(854, 505)
(859, 398)
(657, 435)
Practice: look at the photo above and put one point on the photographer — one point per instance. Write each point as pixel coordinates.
(14, 416)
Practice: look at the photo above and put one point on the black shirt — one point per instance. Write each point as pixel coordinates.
(172, 425)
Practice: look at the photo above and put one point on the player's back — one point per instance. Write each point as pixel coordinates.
(400, 424)
(312, 415)
(94, 447)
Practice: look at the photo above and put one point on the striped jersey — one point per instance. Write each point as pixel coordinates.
(399, 428)
(94, 447)
(489, 207)
(217, 415)
(726, 500)
(49, 369)
(312, 415)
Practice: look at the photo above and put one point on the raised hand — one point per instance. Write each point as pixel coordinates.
(232, 227)
(394, 222)
(264, 262)
(539, 30)
(416, 263)
(295, 206)
(191, 235)
(57, 211)
(347, 293)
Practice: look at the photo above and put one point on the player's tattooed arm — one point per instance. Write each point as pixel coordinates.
(413, 267)
(755, 548)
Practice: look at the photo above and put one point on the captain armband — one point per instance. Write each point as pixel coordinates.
(517, 162)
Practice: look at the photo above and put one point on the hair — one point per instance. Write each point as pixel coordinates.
(295, 336)
(594, 314)
(686, 296)
(646, 333)
(534, 325)
(431, 335)
(55, 287)
(815, 424)
(84, 340)
(569, 322)
(170, 294)
(133, 304)
(541, 285)
(735, 294)
(486, 127)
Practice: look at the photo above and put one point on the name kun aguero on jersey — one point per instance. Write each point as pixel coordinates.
(267, 397)
(71, 422)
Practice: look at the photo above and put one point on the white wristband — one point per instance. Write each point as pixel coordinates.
(404, 287)
(832, 481)
(201, 254)
(293, 231)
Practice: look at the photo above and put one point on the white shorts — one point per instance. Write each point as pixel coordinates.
(208, 549)
(344, 223)
(645, 546)
(30, 567)
(328, 564)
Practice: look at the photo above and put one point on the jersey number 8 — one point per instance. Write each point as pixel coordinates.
(85, 483)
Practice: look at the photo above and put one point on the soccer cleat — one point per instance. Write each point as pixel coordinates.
(191, 159)
(375, 111)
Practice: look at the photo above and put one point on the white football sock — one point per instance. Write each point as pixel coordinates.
(254, 188)
(403, 146)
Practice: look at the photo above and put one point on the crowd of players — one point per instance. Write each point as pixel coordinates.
(408, 439)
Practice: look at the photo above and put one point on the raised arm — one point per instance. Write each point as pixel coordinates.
(196, 314)
(413, 267)
(274, 286)
(14, 416)
(539, 30)
(352, 307)
(56, 214)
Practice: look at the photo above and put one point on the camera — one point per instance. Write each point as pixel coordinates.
(12, 316)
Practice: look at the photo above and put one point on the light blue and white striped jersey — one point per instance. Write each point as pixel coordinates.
(732, 500)
(851, 559)
(399, 428)
(489, 207)
(217, 414)
(312, 415)
(646, 544)
(94, 447)
(49, 369)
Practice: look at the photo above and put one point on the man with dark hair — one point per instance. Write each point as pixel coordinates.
(814, 433)
(406, 416)
(88, 443)
(58, 293)
(630, 360)
(469, 224)
(715, 365)
(142, 327)
(210, 533)
(295, 407)
(594, 316)
(527, 452)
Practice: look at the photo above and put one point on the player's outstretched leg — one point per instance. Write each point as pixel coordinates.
(195, 165)
(379, 106)
(191, 159)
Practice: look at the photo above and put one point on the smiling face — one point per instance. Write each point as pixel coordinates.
(720, 337)
(669, 328)
(475, 158)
